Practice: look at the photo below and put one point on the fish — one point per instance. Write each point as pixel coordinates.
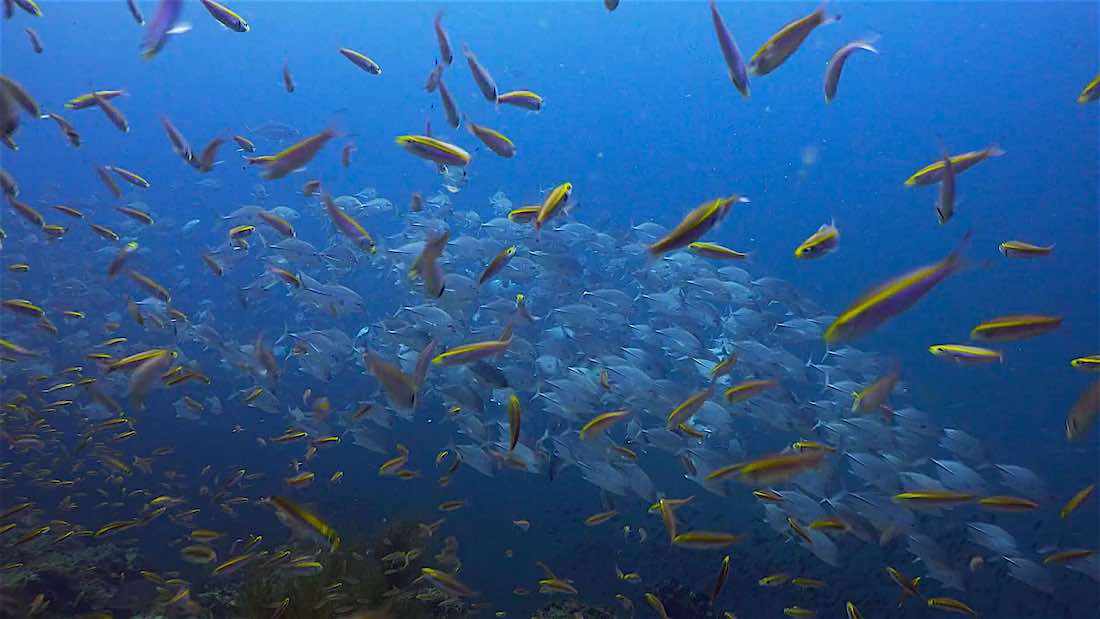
(1014, 327)
(434, 150)
(297, 155)
(836, 63)
(288, 79)
(467, 353)
(1091, 363)
(781, 45)
(1091, 91)
(705, 540)
(821, 242)
(966, 355)
(525, 99)
(748, 389)
(349, 226)
(66, 128)
(945, 204)
(496, 264)
(554, 202)
(720, 580)
(244, 144)
(600, 518)
(951, 605)
(133, 178)
(716, 251)
(656, 604)
(1023, 249)
(158, 29)
(115, 115)
(446, 55)
(514, 418)
(446, 582)
(933, 497)
(481, 75)
(735, 64)
(226, 16)
(361, 60)
(934, 172)
(1082, 416)
(893, 297)
(695, 224)
(135, 12)
(449, 106)
(298, 517)
(35, 41)
(599, 424)
(493, 139)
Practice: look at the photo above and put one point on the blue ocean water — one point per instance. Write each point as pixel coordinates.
(640, 116)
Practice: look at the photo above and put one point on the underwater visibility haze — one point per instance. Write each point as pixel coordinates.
(549, 309)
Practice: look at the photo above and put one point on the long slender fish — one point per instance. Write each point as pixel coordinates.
(296, 156)
(481, 75)
(695, 224)
(288, 79)
(945, 204)
(135, 12)
(179, 143)
(360, 60)
(735, 64)
(893, 297)
(933, 172)
(348, 226)
(158, 29)
(781, 45)
(449, 106)
(836, 64)
(226, 16)
(433, 150)
(445, 53)
(495, 140)
(36, 43)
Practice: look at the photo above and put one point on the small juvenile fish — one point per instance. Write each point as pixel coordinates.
(836, 64)
(36, 43)
(288, 79)
(244, 144)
